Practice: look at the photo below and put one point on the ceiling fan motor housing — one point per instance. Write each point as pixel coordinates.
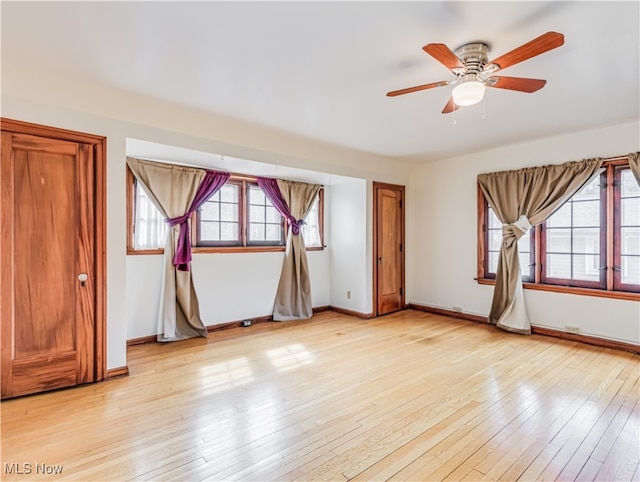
(474, 56)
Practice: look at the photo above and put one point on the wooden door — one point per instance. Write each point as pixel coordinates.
(388, 247)
(50, 273)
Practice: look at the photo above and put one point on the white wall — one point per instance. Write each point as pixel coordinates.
(230, 287)
(349, 246)
(441, 249)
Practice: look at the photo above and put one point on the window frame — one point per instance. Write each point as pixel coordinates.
(601, 284)
(485, 263)
(247, 224)
(212, 246)
(196, 223)
(617, 227)
(609, 223)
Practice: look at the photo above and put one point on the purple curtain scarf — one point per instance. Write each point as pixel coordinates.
(272, 191)
(212, 182)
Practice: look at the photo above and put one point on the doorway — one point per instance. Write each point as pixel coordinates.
(52, 260)
(388, 248)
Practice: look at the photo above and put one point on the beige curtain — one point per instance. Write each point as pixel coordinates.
(634, 162)
(172, 189)
(293, 298)
(521, 199)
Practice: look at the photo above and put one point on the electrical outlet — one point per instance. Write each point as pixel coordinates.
(571, 329)
(457, 308)
(348, 295)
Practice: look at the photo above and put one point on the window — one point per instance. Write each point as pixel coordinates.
(218, 219)
(312, 230)
(573, 242)
(494, 241)
(150, 228)
(239, 216)
(590, 245)
(627, 225)
(266, 225)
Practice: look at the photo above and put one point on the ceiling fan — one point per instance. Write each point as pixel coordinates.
(474, 71)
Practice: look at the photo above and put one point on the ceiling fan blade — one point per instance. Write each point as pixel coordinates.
(417, 88)
(537, 46)
(516, 83)
(444, 55)
(450, 107)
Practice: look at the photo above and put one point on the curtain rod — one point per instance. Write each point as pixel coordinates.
(236, 176)
(616, 158)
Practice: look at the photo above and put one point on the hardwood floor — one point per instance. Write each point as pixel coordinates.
(410, 396)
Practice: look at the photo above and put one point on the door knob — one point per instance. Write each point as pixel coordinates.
(82, 277)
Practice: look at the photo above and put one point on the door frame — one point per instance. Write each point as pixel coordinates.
(99, 144)
(376, 213)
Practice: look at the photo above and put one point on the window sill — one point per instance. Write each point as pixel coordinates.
(618, 295)
(223, 249)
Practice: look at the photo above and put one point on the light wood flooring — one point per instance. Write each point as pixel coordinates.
(405, 397)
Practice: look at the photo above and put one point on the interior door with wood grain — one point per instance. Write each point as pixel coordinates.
(48, 264)
(389, 247)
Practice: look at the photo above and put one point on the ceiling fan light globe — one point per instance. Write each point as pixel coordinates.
(468, 93)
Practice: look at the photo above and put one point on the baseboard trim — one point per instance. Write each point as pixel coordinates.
(357, 314)
(450, 313)
(238, 323)
(142, 340)
(535, 330)
(589, 340)
(220, 326)
(117, 372)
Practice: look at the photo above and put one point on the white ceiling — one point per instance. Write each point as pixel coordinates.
(321, 69)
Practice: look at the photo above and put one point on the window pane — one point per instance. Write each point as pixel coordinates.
(559, 240)
(524, 243)
(257, 214)
(311, 229)
(631, 211)
(586, 240)
(493, 261)
(630, 241)
(586, 267)
(586, 213)
(229, 193)
(257, 232)
(209, 231)
(629, 185)
(311, 235)
(494, 222)
(559, 266)
(561, 218)
(209, 211)
(272, 215)
(274, 232)
(590, 191)
(631, 270)
(150, 230)
(525, 261)
(228, 212)
(256, 196)
(228, 231)
(495, 240)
